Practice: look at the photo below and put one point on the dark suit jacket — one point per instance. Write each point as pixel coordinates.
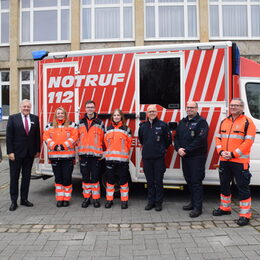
(17, 141)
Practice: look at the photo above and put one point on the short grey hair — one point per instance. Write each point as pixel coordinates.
(25, 100)
(241, 101)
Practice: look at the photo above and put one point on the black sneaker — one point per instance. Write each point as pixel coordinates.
(109, 204)
(59, 203)
(188, 207)
(243, 221)
(220, 212)
(96, 203)
(124, 205)
(66, 203)
(85, 203)
(149, 206)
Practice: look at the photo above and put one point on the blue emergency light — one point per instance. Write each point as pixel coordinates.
(39, 55)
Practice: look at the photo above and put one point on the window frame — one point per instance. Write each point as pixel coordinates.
(185, 5)
(31, 83)
(4, 11)
(32, 9)
(219, 3)
(92, 7)
(4, 83)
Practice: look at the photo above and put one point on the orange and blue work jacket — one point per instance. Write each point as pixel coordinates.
(91, 137)
(66, 136)
(118, 142)
(236, 137)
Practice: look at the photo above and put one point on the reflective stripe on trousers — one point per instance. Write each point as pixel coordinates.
(245, 208)
(86, 190)
(124, 189)
(95, 191)
(225, 202)
(59, 192)
(110, 189)
(67, 192)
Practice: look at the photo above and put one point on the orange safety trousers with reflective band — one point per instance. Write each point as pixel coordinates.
(91, 137)
(232, 138)
(124, 190)
(245, 208)
(63, 193)
(91, 188)
(110, 189)
(118, 142)
(225, 202)
(61, 135)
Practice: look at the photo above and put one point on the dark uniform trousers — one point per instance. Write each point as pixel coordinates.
(230, 170)
(194, 173)
(24, 164)
(62, 170)
(154, 170)
(90, 168)
(120, 168)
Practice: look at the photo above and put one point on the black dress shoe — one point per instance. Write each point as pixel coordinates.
(188, 207)
(26, 203)
(59, 203)
(124, 205)
(96, 204)
(13, 206)
(158, 206)
(109, 204)
(66, 203)
(243, 221)
(85, 203)
(195, 213)
(149, 206)
(220, 212)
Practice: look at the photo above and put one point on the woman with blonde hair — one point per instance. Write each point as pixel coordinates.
(61, 136)
(118, 143)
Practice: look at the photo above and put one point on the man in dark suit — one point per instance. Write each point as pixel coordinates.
(23, 144)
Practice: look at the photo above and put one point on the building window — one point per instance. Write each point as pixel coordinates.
(45, 21)
(171, 19)
(234, 19)
(4, 22)
(104, 20)
(4, 93)
(27, 86)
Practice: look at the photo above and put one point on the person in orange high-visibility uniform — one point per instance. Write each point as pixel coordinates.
(233, 142)
(118, 143)
(90, 150)
(61, 136)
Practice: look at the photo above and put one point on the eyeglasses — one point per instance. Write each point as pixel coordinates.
(90, 107)
(191, 107)
(151, 111)
(235, 105)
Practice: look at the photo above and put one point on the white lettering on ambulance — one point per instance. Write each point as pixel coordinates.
(86, 80)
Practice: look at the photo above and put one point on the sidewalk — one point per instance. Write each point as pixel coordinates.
(47, 232)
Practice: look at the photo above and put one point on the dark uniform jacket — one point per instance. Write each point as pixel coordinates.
(192, 136)
(155, 138)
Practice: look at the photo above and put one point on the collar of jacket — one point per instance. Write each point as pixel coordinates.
(94, 117)
(153, 122)
(117, 125)
(195, 118)
(230, 116)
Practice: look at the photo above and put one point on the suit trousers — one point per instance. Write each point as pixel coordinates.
(154, 170)
(194, 172)
(23, 165)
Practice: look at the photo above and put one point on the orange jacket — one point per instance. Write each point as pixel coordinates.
(118, 142)
(236, 137)
(91, 136)
(65, 136)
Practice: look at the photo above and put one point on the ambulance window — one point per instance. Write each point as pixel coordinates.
(253, 99)
(160, 82)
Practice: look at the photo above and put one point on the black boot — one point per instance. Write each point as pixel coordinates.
(124, 205)
(85, 203)
(108, 204)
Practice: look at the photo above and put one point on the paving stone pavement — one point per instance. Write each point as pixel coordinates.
(47, 232)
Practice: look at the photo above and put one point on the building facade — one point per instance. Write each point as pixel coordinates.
(60, 25)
